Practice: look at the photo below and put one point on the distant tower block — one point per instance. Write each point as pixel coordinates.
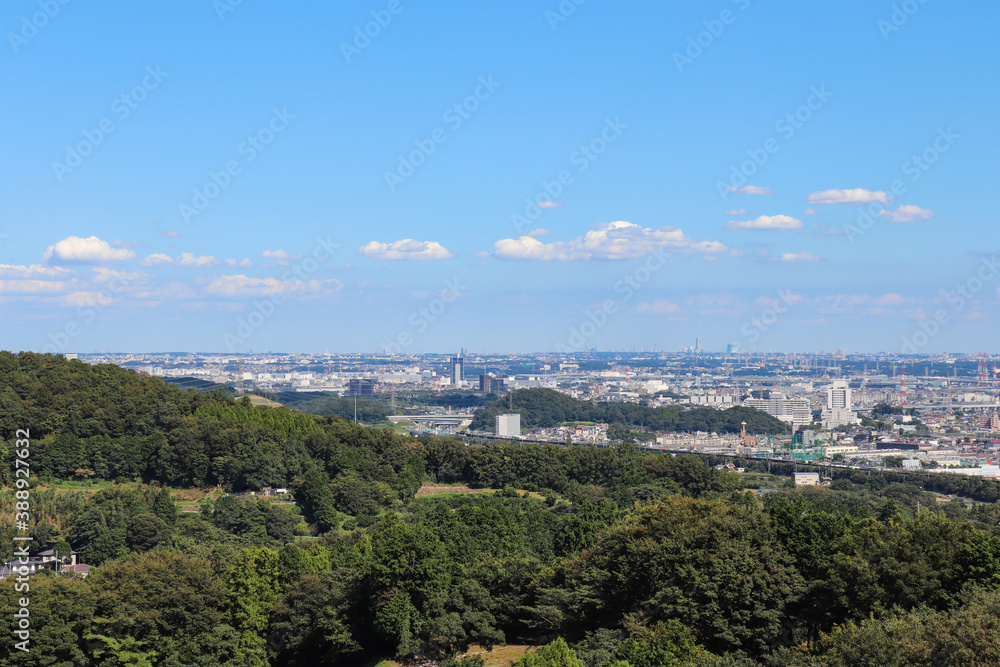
(457, 370)
(902, 389)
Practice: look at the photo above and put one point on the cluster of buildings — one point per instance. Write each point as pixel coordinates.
(44, 560)
(930, 396)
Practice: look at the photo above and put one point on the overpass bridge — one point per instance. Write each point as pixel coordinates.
(436, 419)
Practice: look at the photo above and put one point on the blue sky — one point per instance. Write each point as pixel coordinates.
(212, 176)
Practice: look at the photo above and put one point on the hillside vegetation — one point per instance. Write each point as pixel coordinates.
(546, 408)
(615, 559)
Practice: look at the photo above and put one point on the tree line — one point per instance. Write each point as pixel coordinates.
(545, 408)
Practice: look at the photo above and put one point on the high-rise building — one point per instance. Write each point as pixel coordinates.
(697, 344)
(361, 387)
(838, 406)
(491, 383)
(508, 426)
(457, 375)
(838, 396)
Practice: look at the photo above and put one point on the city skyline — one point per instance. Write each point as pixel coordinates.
(226, 177)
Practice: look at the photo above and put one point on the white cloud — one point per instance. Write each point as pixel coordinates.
(188, 260)
(405, 249)
(799, 257)
(607, 240)
(786, 295)
(157, 259)
(239, 262)
(91, 249)
(890, 299)
(31, 286)
(658, 307)
(102, 274)
(876, 306)
(812, 211)
(750, 190)
(548, 204)
(89, 299)
(737, 211)
(280, 255)
(170, 234)
(240, 285)
(539, 232)
(243, 286)
(770, 222)
(850, 196)
(908, 213)
(33, 271)
(185, 260)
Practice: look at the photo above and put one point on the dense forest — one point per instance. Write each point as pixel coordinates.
(546, 408)
(601, 557)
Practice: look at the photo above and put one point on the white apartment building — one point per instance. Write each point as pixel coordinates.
(508, 426)
(794, 411)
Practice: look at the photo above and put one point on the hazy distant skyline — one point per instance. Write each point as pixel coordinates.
(222, 176)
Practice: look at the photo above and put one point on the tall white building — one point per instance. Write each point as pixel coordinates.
(508, 426)
(457, 371)
(838, 406)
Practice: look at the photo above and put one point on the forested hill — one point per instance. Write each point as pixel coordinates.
(52, 395)
(544, 408)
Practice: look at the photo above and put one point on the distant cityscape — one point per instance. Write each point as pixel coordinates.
(936, 412)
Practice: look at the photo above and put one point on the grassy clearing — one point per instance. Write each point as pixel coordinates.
(256, 400)
(500, 656)
(65, 486)
(442, 489)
